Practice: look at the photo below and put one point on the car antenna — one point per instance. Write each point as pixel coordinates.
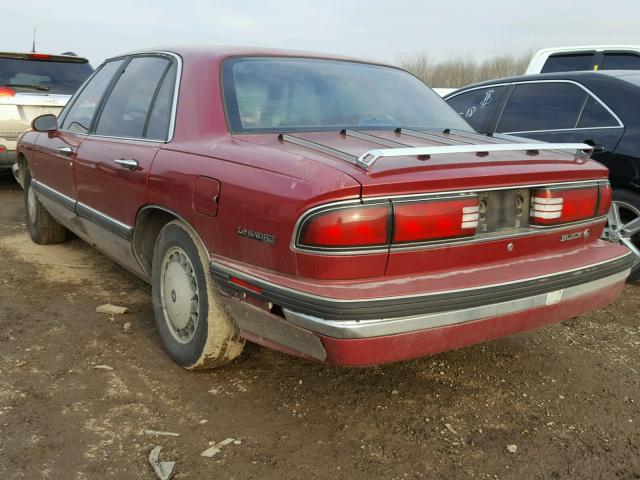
(33, 47)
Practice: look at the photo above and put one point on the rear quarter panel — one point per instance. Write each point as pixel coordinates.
(259, 199)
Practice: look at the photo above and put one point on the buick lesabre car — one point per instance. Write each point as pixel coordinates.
(329, 208)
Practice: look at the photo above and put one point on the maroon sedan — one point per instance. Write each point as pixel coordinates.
(329, 208)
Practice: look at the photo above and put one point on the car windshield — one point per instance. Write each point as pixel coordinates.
(270, 94)
(43, 76)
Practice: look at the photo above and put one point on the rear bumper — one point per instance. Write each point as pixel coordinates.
(373, 331)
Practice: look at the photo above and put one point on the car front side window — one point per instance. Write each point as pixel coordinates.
(478, 106)
(127, 107)
(542, 106)
(80, 115)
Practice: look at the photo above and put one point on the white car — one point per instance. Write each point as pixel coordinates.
(587, 57)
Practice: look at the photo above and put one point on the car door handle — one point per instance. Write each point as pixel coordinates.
(66, 151)
(127, 163)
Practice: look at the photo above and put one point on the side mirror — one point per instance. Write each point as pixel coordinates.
(45, 123)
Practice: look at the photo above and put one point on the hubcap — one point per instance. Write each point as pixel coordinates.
(31, 203)
(179, 294)
(623, 227)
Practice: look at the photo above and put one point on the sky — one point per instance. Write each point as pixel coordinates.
(386, 31)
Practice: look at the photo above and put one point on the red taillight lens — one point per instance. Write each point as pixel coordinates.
(7, 92)
(434, 220)
(555, 206)
(362, 226)
(605, 199)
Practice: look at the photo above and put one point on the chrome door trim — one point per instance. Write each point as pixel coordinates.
(84, 211)
(114, 226)
(53, 194)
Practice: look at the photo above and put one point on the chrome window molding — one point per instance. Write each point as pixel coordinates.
(435, 196)
(521, 82)
(174, 105)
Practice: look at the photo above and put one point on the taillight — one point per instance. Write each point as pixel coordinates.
(555, 206)
(39, 56)
(605, 199)
(435, 220)
(7, 92)
(361, 226)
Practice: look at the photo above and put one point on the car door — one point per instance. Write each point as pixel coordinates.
(115, 158)
(55, 152)
(478, 106)
(560, 111)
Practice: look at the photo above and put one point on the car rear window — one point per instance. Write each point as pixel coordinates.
(272, 94)
(44, 76)
(569, 63)
(621, 61)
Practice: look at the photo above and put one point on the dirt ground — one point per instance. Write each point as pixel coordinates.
(567, 396)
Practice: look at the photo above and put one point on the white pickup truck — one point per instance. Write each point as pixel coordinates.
(587, 57)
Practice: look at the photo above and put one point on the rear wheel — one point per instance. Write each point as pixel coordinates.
(623, 226)
(43, 228)
(194, 327)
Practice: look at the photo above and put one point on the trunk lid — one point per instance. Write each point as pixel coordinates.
(442, 172)
(18, 111)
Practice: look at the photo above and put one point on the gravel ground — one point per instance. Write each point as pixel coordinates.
(562, 402)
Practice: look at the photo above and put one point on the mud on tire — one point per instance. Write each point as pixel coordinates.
(195, 329)
(43, 228)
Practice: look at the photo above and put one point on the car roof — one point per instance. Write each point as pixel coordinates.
(579, 76)
(221, 52)
(582, 48)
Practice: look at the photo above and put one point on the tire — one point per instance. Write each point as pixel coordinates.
(623, 226)
(195, 329)
(43, 228)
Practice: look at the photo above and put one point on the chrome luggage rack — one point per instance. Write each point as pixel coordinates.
(398, 149)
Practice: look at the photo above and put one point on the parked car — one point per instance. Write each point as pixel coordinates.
(334, 209)
(601, 109)
(32, 84)
(590, 57)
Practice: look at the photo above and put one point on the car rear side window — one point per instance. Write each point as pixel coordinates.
(569, 63)
(478, 106)
(594, 115)
(621, 61)
(160, 116)
(125, 110)
(80, 114)
(542, 106)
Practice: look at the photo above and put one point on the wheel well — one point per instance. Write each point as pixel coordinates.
(148, 225)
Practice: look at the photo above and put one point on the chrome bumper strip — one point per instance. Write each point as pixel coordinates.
(391, 326)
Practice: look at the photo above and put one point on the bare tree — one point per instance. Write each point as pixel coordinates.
(459, 72)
